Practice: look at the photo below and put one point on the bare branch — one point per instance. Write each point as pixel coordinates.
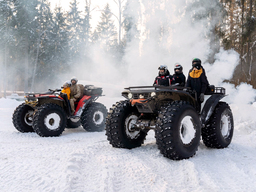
(115, 2)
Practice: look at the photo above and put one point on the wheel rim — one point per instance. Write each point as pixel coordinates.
(74, 120)
(52, 121)
(225, 125)
(187, 130)
(98, 117)
(129, 122)
(28, 118)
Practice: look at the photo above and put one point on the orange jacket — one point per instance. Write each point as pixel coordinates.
(67, 91)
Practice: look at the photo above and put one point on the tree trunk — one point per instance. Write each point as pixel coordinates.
(36, 61)
(250, 49)
(6, 55)
(26, 66)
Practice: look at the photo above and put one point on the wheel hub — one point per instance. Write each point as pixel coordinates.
(52, 121)
(28, 118)
(98, 117)
(129, 130)
(187, 130)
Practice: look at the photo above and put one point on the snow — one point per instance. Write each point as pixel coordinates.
(85, 161)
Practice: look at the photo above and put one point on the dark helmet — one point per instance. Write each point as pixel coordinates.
(163, 67)
(179, 67)
(196, 63)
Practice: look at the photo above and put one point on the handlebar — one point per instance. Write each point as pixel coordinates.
(55, 90)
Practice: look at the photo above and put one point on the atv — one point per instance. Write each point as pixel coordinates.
(48, 114)
(174, 114)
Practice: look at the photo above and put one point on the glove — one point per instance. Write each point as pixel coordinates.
(201, 97)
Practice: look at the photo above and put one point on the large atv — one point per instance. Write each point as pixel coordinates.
(173, 112)
(48, 114)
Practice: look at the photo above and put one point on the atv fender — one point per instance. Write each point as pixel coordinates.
(83, 102)
(209, 107)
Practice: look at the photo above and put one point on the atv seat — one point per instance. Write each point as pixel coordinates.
(77, 101)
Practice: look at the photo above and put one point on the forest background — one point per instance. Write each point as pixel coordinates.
(38, 43)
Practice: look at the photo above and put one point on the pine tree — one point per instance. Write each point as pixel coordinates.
(6, 41)
(60, 41)
(106, 31)
(86, 26)
(43, 52)
(26, 35)
(131, 20)
(75, 32)
(86, 34)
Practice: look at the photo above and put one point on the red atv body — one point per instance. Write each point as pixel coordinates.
(48, 114)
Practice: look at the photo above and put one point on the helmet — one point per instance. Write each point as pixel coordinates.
(67, 83)
(163, 67)
(179, 67)
(196, 60)
(74, 78)
(196, 63)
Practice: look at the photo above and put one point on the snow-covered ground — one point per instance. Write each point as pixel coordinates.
(83, 161)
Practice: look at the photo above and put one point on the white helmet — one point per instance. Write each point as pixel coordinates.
(74, 78)
(67, 83)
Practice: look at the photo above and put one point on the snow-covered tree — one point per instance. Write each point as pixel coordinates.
(75, 23)
(60, 41)
(105, 32)
(131, 20)
(6, 40)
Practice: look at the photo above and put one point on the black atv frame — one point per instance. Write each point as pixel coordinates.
(48, 114)
(175, 93)
(170, 111)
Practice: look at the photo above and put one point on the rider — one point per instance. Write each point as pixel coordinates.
(197, 80)
(178, 75)
(164, 78)
(66, 88)
(75, 93)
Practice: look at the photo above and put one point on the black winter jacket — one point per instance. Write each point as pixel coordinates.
(163, 80)
(197, 81)
(180, 78)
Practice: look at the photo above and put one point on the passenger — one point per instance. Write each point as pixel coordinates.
(75, 94)
(179, 77)
(197, 80)
(66, 89)
(164, 78)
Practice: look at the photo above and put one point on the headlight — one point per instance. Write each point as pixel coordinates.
(153, 94)
(130, 95)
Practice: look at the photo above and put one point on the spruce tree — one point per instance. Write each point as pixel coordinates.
(106, 31)
(75, 23)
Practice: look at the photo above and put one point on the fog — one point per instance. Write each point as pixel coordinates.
(169, 33)
(182, 39)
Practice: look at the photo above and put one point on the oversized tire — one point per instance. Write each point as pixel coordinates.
(73, 123)
(219, 130)
(118, 126)
(178, 130)
(22, 118)
(49, 120)
(93, 117)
